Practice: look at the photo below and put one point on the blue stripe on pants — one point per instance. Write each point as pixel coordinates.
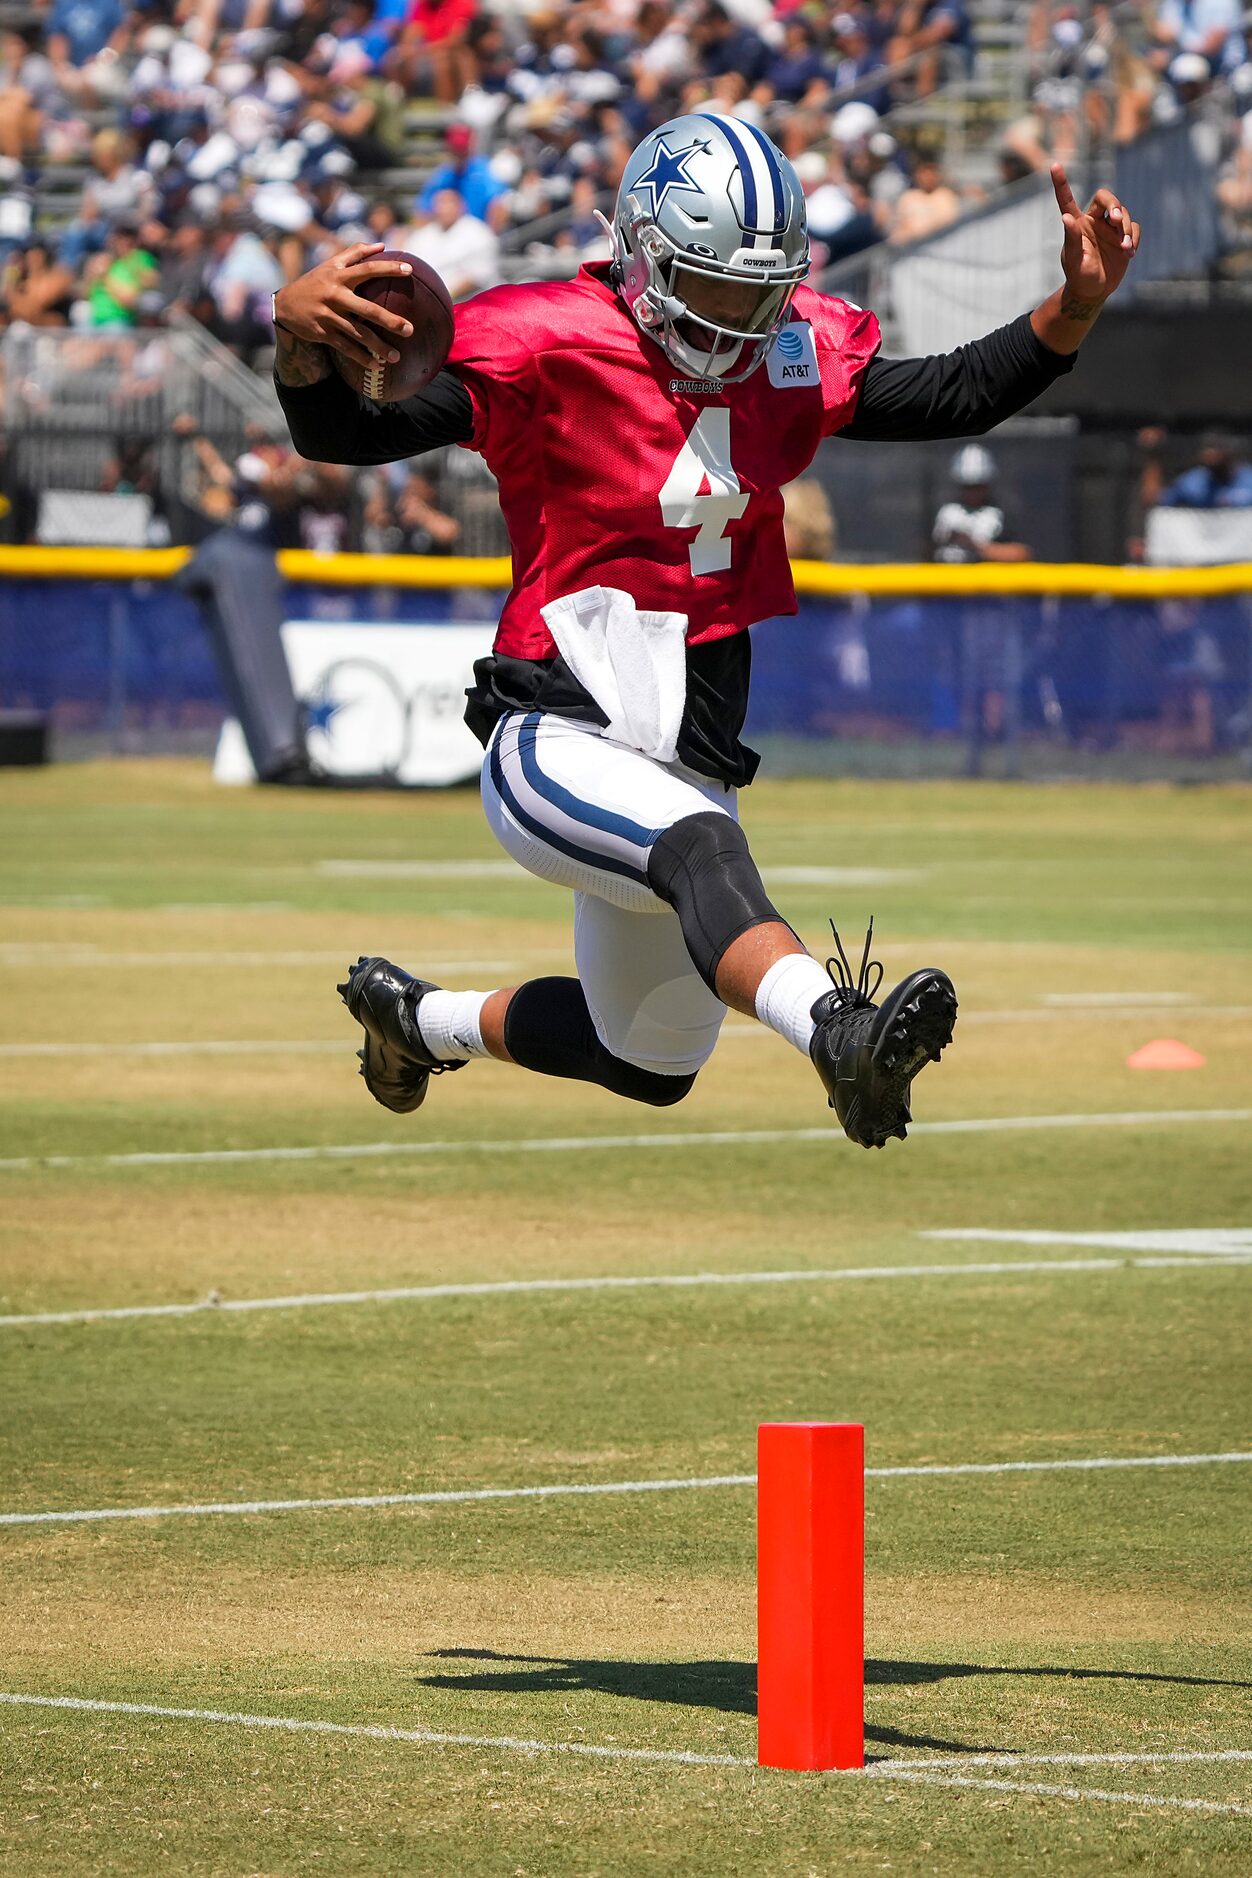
(578, 810)
(586, 856)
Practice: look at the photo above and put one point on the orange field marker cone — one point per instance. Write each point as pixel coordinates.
(811, 1594)
(1165, 1053)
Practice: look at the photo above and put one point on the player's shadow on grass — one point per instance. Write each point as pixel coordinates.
(898, 1672)
(730, 1688)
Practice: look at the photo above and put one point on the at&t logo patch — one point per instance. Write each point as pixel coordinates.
(792, 358)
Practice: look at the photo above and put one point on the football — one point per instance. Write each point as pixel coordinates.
(422, 299)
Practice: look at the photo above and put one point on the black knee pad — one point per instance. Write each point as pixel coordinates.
(702, 867)
(548, 1028)
(644, 1085)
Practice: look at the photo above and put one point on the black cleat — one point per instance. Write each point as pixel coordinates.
(395, 1063)
(867, 1054)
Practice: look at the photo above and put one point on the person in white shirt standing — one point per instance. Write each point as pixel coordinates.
(462, 250)
(973, 527)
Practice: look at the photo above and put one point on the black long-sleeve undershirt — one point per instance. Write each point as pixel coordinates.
(953, 394)
(331, 423)
(956, 394)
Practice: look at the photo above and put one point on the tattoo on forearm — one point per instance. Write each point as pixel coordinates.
(296, 361)
(1072, 308)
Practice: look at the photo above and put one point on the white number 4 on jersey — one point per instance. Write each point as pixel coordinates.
(702, 491)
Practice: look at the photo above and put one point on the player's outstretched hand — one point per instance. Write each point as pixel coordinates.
(323, 308)
(1099, 243)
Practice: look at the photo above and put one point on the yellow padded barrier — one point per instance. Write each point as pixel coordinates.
(935, 580)
(396, 570)
(814, 579)
(92, 563)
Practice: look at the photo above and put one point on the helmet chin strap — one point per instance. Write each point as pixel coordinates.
(657, 316)
(702, 361)
(705, 362)
(615, 246)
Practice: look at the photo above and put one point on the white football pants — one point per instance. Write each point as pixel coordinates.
(583, 813)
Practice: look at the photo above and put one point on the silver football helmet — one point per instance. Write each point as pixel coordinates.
(973, 465)
(709, 242)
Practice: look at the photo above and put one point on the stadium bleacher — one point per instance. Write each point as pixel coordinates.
(164, 167)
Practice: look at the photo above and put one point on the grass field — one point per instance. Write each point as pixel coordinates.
(1060, 1660)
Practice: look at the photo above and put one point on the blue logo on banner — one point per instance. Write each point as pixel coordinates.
(790, 343)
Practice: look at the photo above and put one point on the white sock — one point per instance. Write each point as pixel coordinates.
(786, 995)
(448, 1022)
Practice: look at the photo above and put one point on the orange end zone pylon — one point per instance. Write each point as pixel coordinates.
(811, 1594)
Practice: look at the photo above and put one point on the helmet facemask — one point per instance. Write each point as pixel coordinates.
(713, 315)
(712, 318)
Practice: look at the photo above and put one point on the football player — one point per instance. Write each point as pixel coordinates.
(641, 421)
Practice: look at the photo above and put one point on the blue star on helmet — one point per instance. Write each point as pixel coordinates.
(668, 171)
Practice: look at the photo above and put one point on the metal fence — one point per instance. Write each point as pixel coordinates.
(1028, 686)
(1169, 179)
(140, 439)
(116, 417)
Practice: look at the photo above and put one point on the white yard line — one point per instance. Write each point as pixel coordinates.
(924, 1773)
(1206, 1242)
(451, 1497)
(508, 871)
(784, 876)
(1161, 1757)
(286, 1046)
(1034, 1014)
(1083, 1000)
(679, 1281)
(1121, 1011)
(423, 1737)
(421, 870)
(240, 1046)
(570, 1144)
(87, 957)
(1063, 1466)
(202, 908)
(1047, 1790)
(584, 1489)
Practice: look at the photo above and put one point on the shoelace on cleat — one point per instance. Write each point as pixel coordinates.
(856, 993)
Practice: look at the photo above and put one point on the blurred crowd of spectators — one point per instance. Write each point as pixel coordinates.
(231, 143)
(228, 144)
(1108, 73)
(239, 130)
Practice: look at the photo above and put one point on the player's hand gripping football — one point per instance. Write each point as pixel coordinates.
(323, 308)
(1099, 245)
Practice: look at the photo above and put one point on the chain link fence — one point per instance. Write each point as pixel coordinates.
(908, 685)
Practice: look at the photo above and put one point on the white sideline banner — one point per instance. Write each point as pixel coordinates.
(1197, 537)
(384, 701)
(977, 275)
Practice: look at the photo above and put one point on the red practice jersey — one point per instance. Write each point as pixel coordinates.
(618, 469)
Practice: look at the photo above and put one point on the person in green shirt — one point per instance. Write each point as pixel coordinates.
(128, 272)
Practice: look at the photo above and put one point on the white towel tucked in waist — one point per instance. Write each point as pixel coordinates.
(632, 662)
